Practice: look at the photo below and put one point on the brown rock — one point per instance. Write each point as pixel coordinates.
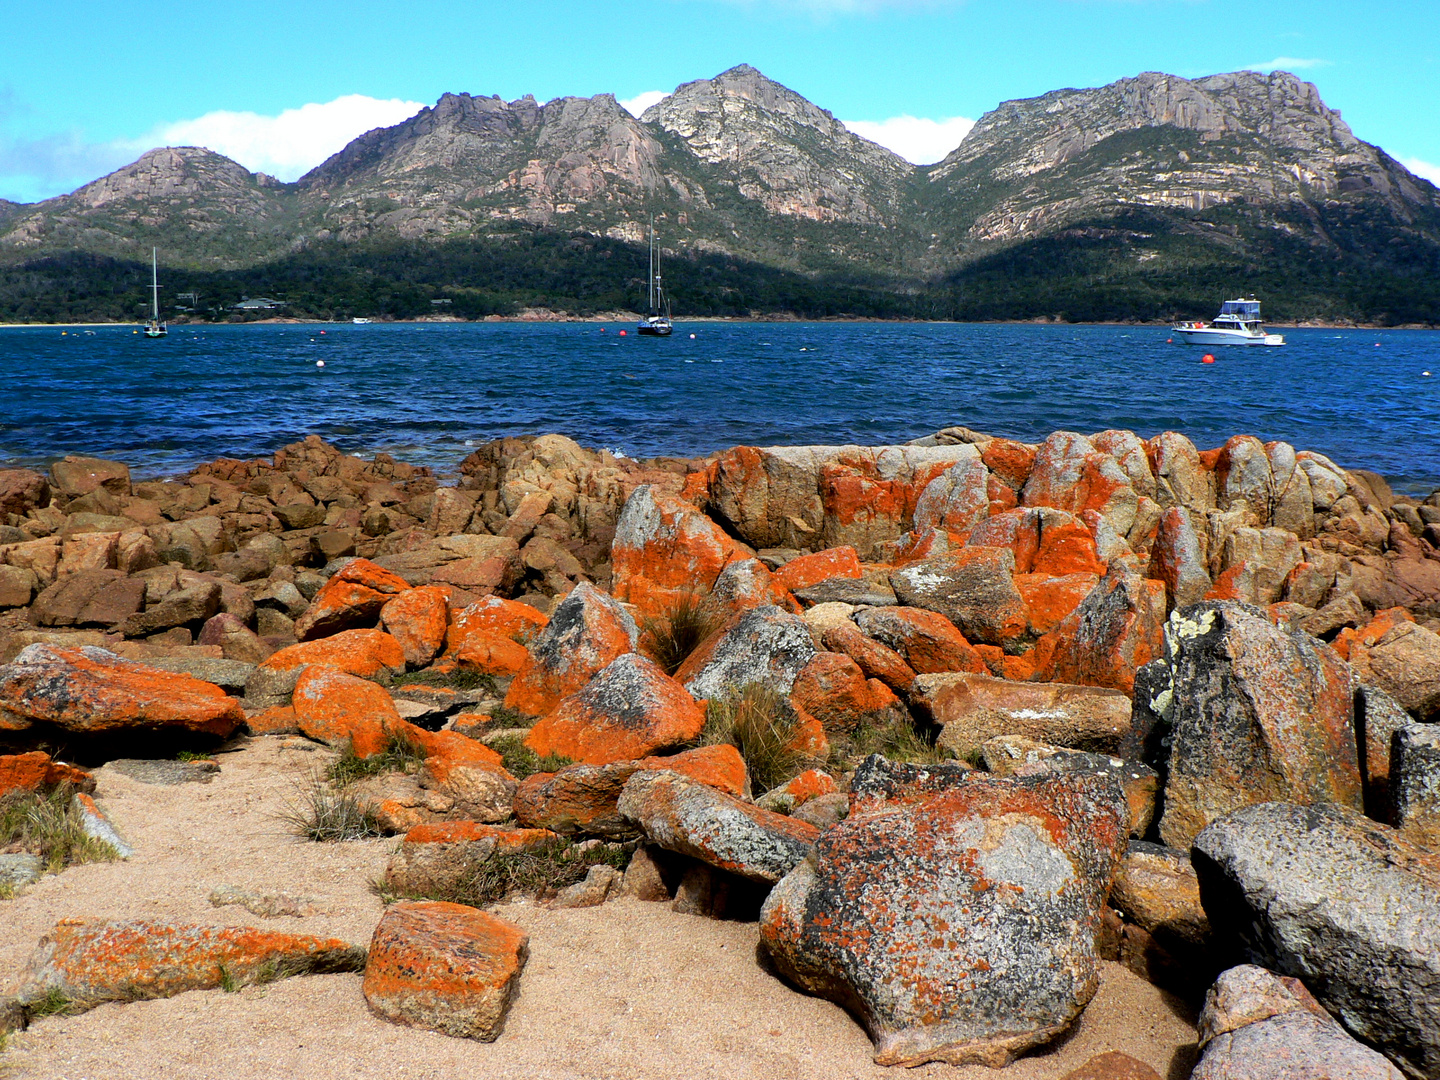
(21, 491)
(927, 641)
(876, 661)
(353, 597)
(973, 708)
(1113, 1065)
(833, 689)
(335, 708)
(436, 857)
(972, 587)
(75, 476)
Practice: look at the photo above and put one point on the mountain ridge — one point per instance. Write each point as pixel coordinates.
(1232, 170)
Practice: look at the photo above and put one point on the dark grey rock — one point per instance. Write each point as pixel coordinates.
(765, 646)
(182, 608)
(973, 587)
(1415, 783)
(230, 675)
(1348, 905)
(1378, 716)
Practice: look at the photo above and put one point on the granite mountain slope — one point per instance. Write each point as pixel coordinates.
(1156, 185)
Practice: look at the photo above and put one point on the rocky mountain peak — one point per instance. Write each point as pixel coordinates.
(166, 173)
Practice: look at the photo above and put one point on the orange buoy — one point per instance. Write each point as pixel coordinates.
(1207, 359)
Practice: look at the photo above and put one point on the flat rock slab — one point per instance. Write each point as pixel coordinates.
(953, 912)
(1348, 905)
(437, 856)
(975, 708)
(88, 690)
(682, 814)
(166, 772)
(91, 963)
(447, 967)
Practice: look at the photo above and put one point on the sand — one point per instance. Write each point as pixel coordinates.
(627, 990)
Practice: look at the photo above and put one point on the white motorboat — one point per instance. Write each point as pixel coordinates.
(359, 321)
(657, 323)
(1237, 324)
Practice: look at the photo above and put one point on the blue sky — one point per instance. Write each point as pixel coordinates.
(88, 85)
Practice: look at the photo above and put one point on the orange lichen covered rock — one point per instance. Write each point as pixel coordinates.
(277, 720)
(806, 570)
(762, 646)
(833, 689)
(959, 498)
(798, 790)
(684, 815)
(664, 548)
(446, 967)
(1117, 629)
(333, 707)
(973, 708)
(720, 766)
(876, 661)
(926, 640)
(1050, 600)
(1177, 559)
(579, 798)
(90, 963)
(492, 654)
(437, 855)
(629, 710)
(36, 771)
(1071, 474)
(954, 912)
(494, 616)
(586, 631)
(1045, 541)
(748, 583)
(87, 690)
(363, 653)
(1009, 460)
(418, 619)
(352, 597)
(470, 774)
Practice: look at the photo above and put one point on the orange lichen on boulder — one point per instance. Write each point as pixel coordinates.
(447, 967)
(37, 771)
(664, 548)
(333, 707)
(90, 963)
(493, 616)
(492, 654)
(279, 720)
(352, 597)
(810, 784)
(833, 689)
(877, 661)
(806, 570)
(363, 653)
(720, 766)
(587, 630)
(927, 640)
(627, 711)
(1050, 600)
(87, 690)
(418, 620)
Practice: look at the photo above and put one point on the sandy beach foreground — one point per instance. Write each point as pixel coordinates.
(626, 990)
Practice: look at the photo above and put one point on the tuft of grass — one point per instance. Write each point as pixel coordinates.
(403, 754)
(192, 755)
(897, 741)
(326, 813)
(456, 679)
(502, 716)
(538, 872)
(228, 982)
(53, 1003)
(521, 761)
(761, 724)
(50, 826)
(669, 639)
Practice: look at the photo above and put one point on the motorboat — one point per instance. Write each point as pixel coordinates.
(155, 328)
(657, 323)
(1237, 324)
(359, 321)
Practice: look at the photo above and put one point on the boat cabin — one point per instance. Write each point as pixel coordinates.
(1240, 313)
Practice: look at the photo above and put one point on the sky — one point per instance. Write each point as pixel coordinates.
(279, 86)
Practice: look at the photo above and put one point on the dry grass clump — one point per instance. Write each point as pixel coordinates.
(51, 826)
(538, 872)
(899, 740)
(670, 638)
(521, 761)
(762, 724)
(328, 812)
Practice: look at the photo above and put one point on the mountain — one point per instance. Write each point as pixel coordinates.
(1148, 197)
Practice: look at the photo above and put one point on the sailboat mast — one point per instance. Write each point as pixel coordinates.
(652, 264)
(155, 284)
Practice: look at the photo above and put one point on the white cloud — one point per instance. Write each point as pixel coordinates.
(640, 102)
(1423, 168)
(917, 140)
(286, 146)
(1286, 63)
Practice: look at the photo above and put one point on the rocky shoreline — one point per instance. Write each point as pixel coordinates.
(1027, 708)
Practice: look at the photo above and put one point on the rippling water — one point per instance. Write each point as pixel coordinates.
(427, 393)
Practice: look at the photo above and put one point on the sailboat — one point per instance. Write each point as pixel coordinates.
(155, 328)
(657, 323)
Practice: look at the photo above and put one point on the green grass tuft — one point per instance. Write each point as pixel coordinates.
(761, 724)
(458, 679)
(669, 639)
(521, 761)
(50, 826)
(898, 741)
(403, 754)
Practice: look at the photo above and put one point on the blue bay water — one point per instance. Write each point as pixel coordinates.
(428, 393)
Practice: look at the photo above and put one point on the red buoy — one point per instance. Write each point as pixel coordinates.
(1169, 341)
(1207, 359)
(622, 333)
